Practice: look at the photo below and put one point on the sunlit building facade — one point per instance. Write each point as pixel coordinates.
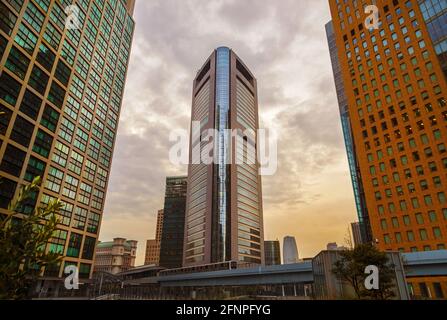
(396, 94)
(61, 92)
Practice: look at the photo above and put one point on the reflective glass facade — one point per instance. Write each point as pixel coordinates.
(435, 16)
(362, 211)
(61, 90)
(222, 124)
(172, 233)
(224, 199)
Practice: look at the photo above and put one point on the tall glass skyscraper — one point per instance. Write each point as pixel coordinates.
(224, 199)
(359, 196)
(61, 91)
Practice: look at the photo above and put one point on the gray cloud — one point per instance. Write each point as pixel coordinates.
(284, 44)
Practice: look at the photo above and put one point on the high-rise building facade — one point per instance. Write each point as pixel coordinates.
(152, 255)
(60, 94)
(359, 195)
(289, 250)
(115, 256)
(172, 234)
(396, 94)
(224, 206)
(272, 253)
(356, 234)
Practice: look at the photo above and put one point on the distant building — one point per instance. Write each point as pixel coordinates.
(331, 246)
(272, 253)
(172, 234)
(115, 256)
(356, 233)
(152, 255)
(290, 250)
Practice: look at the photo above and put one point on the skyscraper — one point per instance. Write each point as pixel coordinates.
(356, 234)
(359, 195)
(396, 92)
(272, 253)
(290, 250)
(224, 205)
(152, 255)
(171, 246)
(61, 91)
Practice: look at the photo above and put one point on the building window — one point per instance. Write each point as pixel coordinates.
(70, 187)
(17, 63)
(35, 168)
(89, 248)
(50, 118)
(9, 88)
(57, 242)
(45, 57)
(80, 218)
(439, 294)
(93, 223)
(13, 160)
(30, 104)
(60, 154)
(74, 245)
(38, 80)
(56, 95)
(54, 180)
(42, 143)
(22, 131)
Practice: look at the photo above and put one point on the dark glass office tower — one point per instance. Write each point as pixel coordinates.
(224, 204)
(272, 253)
(434, 13)
(61, 92)
(172, 234)
(359, 195)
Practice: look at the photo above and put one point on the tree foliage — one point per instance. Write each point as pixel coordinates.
(23, 243)
(351, 269)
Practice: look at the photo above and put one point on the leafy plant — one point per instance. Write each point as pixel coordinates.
(351, 268)
(23, 243)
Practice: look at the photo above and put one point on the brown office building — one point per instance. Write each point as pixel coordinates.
(224, 200)
(152, 255)
(61, 91)
(395, 93)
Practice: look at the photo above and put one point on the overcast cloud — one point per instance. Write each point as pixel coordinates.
(284, 45)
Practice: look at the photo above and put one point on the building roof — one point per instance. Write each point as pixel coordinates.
(109, 244)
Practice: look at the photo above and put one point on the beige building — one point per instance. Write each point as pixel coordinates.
(115, 256)
(152, 255)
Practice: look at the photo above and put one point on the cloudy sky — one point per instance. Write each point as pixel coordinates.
(284, 45)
